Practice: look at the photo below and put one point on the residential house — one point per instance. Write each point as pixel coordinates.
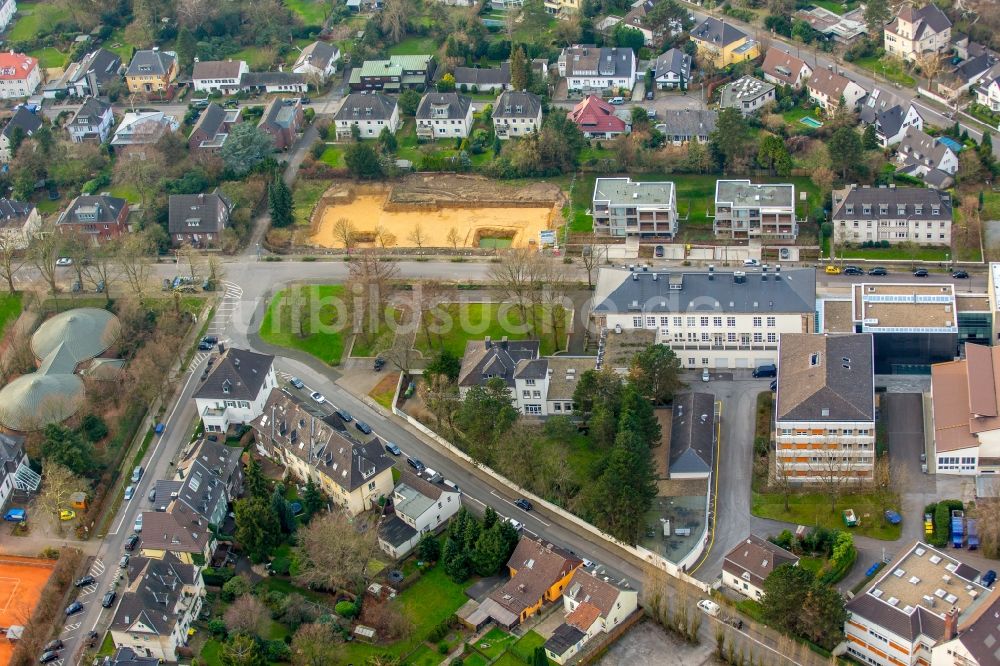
(682, 125)
(394, 74)
(750, 562)
(746, 311)
(259, 83)
(783, 69)
(960, 78)
(636, 19)
(890, 116)
(7, 10)
(15, 472)
(587, 67)
(24, 123)
(972, 640)
(964, 413)
(593, 605)
(197, 219)
(561, 8)
(516, 113)
(19, 75)
(829, 89)
(160, 601)
(988, 94)
(218, 76)
(894, 214)
(142, 128)
(692, 436)
(825, 407)
(539, 572)
(371, 112)
(482, 79)
(545, 386)
(747, 210)
(748, 95)
(99, 216)
(846, 28)
(597, 120)
(928, 158)
(484, 360)
(672, 70)
(92, 122)
(419, 507)
(19, 222)
(165, 491)
(643, 210)
(723, 43)
(913, 604)
(355, 474)
(90, 76)
(317, 62)
(915, 33)
(212, 128)
(179, 532)
(126, 656)
(236, 389)
(212, 479)
(282, 121)
(444, 116)
(151, 71)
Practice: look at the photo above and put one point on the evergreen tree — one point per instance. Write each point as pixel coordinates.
(362, 161)
(845, 150)
(869, 139)
(429, 548)
(785, 593)
(185, 48)
(387, 141)
(312, 500)
(279, 202)
(877, 14)
(456, 561)
(257, 528)
(67, 448)
(822, 616)
(731, 137)
(490, 553)
(656, 371)
(445, 363)
(637, 416)
(619, 499)
(254, 482)
(520, 70)
(539, 658)
(282, 509)
(489, 518)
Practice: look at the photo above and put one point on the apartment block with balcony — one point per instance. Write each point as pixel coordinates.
(894, 214)
(825, 407)
(916, 604)
(746, 210)
(646, 210)
(710, 319)
(235, 390)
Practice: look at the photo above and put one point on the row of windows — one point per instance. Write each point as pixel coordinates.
(829, 431)
(717, 337)
(699, 321)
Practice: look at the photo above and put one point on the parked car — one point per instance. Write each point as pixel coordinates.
(522, 503)
(379, 363)
(616, 100)
(109, 598)
(344, 415)
(416, 464)
(54, 644)
(769, 370)
(74, 608)
(709, 606)
(208, 342)
(705, 375)
(137, 474)
(833, 270)
(658, 252)
(893, 517)
(47, 657)
(363, 427)
(989, 578)
(131, 542)
(86, 580)
(64, 261)
(432, 476)
(152, 494)
(751, 262)
(124, 561)
(296, 383)
(67, 514)
(129, 491)
(317, 397)
(774, 384)
(878, 270)
(393, 449)
(15, 515)
(516, 524)
(960, 275)
(200, 104)
(920, 272)
(852, 270)
(649, 94)
(138, 523)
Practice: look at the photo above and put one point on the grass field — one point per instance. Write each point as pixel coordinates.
(991, 205)
(211, 654)
(812, 509)
(318, 331)
(117, 43)
(461, 322)
(334, 156)
(10, 309)
(33, 18)
(889, 68)
(415, 46)
(495, 642)
(313, 12)
(304, 197)
(408, 148)
(49, 57)
(127, 192)
(835, 6)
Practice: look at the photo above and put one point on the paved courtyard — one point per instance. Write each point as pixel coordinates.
(648, 643)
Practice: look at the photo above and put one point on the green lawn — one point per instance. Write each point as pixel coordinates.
(813, 564)
(495, 642)
(593, 153)
(312, 327)
(461, 322)
(427, 603)
(117, 43)
(890, 68)
(305, 194)
(334, 156)
(415, 46)
(10, 309)
(812, 509)
(794, 117)
(424, 656)
(366, 347)
(33, 18)
(474, 659)
(211, 654)
(313, 12)
(525, 647)
(127, 192)
(278, 584)
(49, 57)
(921, 254)
(257, 57)
(835, 6)
(991, 205)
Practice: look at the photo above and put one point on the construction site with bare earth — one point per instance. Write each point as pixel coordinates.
(439, 210)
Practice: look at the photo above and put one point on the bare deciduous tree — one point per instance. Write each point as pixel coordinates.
(11, 259)
(58, 484)
(103, 268)
(143, 173)
(247, 614)
(454, 238)
(369, 279)
(417, 236)
(384, 237)
(334, 553)
(514, 277)
(395, 15)
(345, 232)
(591, 256)
(44, 250)
(134, 255)
(316, 645)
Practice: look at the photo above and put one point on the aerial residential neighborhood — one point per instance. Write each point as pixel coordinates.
(499, 332)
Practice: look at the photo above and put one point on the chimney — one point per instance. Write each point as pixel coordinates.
(488, 342)
(950, 618)
(503, 342)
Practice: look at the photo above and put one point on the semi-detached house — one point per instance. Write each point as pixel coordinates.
(516, 113)
(890, 115)
(783, 69)
(235, 390)
(593, 605)
(419, 507)
(371, 112)
(829, 89)
(444, 115)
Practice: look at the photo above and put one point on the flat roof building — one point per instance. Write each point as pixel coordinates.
(748, 210)
(646, 210)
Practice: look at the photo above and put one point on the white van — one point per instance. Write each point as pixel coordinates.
(617, 100)
(517, 525)
(451, 485)
(432, 476)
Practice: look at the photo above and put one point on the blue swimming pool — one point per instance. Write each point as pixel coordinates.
(810, 121)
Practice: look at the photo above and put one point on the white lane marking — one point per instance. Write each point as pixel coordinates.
(97, 568)
(470, 497)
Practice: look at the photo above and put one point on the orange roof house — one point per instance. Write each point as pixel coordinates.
(596, 119)
(539, 572)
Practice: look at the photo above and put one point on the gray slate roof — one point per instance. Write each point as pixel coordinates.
(107, 208)
(103, 63)
(692, 434)
(317, 54)
(211, 120)
(458, 105)
(757, 557)
(480, 76)
(216, 69)
(510, 101)
(366, 106)
(91, 112)
(29, 122)
(690, 122)
(157, 587)
(395, 532)
(618, 292)
(980, 636)
(150, 63)
(125, 656)
(921, 149)
(563, 638)
(238, 375)
(908, 197)
(675, 61)
(198, 213)
(884, 110)
(606, 61)
(261, 79)
(14, 213)
(494, 357)
(825, 377)
(204, 486)
(718, 33)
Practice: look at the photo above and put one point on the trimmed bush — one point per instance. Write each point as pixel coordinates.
(346, 609)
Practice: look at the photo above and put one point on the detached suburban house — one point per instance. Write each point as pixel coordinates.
(419, 507)
(928, 158)
(151, 71)
(482, 79)
(486, 359)
(317, 62)
(371, 112)
(99, 216)
(672, 70)
(748, 565)
(723, 43)
(18, 224)
(828, 88)
(783, 69)
(444, 115)
(19, 75)
(198, 219)
(593, 605)
(747, 95)
(92, 122)
(988, 94)
(211, 130)
(890, 116)
(587, 67)
(179, 531)
(24, 122)
(15, 473)
(218, 76)
(516, 114)
(597, 120)
(142, 128)
(682, 125)
(235, 390)
(89, 76)
(282, 121)
(916, 32)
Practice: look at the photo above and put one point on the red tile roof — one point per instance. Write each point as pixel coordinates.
(593, 114)
(15, 66)
(584, 616)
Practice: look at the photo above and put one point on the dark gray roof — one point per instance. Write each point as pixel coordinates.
(164, 489)
(457, 105)
(980, 636)
(107, 208)
(104, 64)
(238, 375)
(920, 149)
(510, 101)
(125, 656)
(692, 434)
(563, 638)
(366, 106)
(157, 585)
(261, 79)
(607, 61)
(933, 177)
(216, 69)
(717, 32)
(908, 197)
(91, 112)
(25, 119)
(198, 213)
(317, 54)
(619, 292)
(150, 63)
(675, 61)
(973, 68)
(204, 486)
(532, 369)
(496, 358)
(757, 558)
(689, 122)
(930, 17)
(395, 532)
(884, 110)
(825, 377)
(211, 120)
(480, 76)
(14, 213)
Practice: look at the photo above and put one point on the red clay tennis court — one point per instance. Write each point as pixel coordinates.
(21, 583)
